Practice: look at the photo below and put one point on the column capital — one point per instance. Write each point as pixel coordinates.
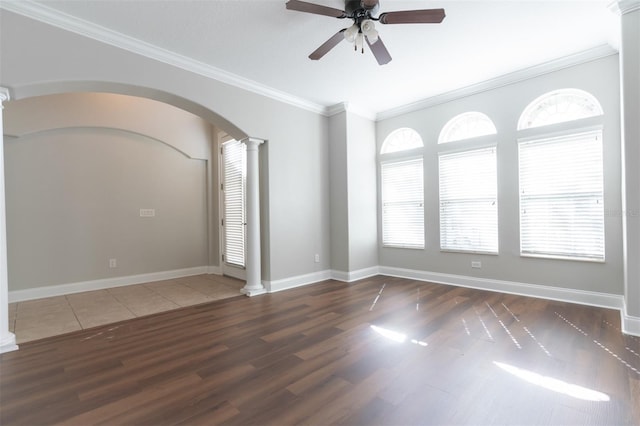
(622, 7)
(252, 142)
(4, 94)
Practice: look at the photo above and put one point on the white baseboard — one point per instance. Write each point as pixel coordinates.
(8, 342)
(604, 300)
(355, 275)
(62, 289)
(214, 270)
(297, 281)
(307, 279)
(630, 324)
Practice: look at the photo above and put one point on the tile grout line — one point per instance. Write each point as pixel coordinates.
(74, 312)
(122, 303)
(161, 295)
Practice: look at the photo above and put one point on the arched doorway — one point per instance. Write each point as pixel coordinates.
(41, 90)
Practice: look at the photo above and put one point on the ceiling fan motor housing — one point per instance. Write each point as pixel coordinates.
(361, 8)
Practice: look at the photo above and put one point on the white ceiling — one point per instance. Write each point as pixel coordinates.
(261, 41)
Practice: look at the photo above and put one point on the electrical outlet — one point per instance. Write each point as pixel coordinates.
(317, 258)
(147, 212)
(476, 264)
(113, 263)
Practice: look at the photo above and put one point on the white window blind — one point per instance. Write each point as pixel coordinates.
(469, 201)
(234, 188)
(561, 197)
(403, 204)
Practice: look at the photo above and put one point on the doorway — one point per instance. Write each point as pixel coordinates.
(233, 224)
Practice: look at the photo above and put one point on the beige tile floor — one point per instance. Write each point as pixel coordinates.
(36, 319)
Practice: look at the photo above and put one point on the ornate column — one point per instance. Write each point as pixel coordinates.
(7, 339)
(629, 11)
(254, 276)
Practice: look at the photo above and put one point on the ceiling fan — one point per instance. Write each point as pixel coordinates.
(363, 13)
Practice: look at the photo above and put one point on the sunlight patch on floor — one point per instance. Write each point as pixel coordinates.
(553, 384)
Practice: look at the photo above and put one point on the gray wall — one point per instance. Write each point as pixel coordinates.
(504, 106)
(40, 59)
(352, 162)
(301, 211)
(338, 178)
(74, 188)
(361, 151)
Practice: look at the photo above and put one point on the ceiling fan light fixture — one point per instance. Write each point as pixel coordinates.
(363, 13)
(351, 33)
(367, 26)
(369, 30)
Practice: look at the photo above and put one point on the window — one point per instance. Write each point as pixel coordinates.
(465, 126)
(234, 176)
(402, 190)
(401, 140)
(469, 201)
(561, 179)
(561, 197)
(403, 204)
(468, 187)
(559, 106)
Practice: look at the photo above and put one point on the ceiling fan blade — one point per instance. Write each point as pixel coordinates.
(379, 51)
(369, 4)
(327, 46)
(425, 16)
(303, 6)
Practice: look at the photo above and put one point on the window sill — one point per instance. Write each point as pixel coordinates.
(557, 257)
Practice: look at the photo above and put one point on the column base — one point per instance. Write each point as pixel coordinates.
(8, 343)
(253, 291)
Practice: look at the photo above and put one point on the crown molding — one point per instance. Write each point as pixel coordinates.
(350, 107)
(504, 80)
(622, 7)
(45, 14)
(337, 109)
(48, 15)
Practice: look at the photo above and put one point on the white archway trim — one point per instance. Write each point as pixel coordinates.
(65, 87)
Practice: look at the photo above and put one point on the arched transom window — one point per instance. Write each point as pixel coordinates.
(401, 140)
(559, 106)
(467, 125)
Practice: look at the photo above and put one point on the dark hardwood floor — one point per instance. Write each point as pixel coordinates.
(382, 351)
